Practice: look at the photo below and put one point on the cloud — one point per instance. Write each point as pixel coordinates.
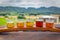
(30, 3)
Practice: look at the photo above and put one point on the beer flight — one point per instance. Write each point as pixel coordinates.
(26, 23)
(31, 24)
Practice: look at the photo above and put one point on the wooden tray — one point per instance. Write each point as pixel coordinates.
(32, 29)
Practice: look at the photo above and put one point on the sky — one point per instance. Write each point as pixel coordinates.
(30, 3)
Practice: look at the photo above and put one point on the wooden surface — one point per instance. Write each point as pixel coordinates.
(32, 29)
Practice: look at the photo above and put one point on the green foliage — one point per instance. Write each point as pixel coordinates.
(2, 21)
(21, 17)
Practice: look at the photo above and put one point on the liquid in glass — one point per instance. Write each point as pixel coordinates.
(29, 24)
(10, 25)
(39, 23)
(20, 25)
(49, 25)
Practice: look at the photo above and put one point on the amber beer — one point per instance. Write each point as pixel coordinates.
(20, 23)
(29, 23)
(49, 24)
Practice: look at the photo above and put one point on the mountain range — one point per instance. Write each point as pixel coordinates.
(41, 10)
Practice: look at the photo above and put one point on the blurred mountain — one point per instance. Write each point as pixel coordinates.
(41, 10)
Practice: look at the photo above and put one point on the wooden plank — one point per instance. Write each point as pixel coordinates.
(23, 29)
(54, 29)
